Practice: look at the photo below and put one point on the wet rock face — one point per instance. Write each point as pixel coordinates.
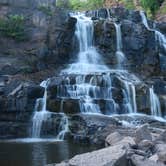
(14, 124)
(18, 95)
(139, 44)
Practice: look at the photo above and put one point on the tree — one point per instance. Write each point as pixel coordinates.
(152, 5)
(86, 4)
(63, 3)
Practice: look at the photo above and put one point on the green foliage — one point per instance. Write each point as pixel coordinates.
(129, 4)
(46, 9)
(86, 4)
(151, 6)
(13, 27)
(63, 3)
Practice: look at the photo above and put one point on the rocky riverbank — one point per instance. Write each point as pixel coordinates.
(140, 148)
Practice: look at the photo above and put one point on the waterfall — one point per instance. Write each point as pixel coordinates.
(154, 103)
(89, 80)
(160, 38)
(119, 53)
(130, 97)
(108, 13)
(89, 60)
(41, 114)
(144, 20)
(63, 127)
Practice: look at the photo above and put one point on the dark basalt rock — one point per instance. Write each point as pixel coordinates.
(161, 27)
(139, 44)
(19, 95)
(49, 34)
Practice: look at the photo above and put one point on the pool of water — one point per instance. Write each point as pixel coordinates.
(29, 152)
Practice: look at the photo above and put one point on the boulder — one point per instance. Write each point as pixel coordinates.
(162, 137)
(154, 158)
(146, 145)
(128, 141)
(113, 138)
(143, 133)
(162, 157)
(112, 156)
(137, 160)
(160, 148)
(116, 138)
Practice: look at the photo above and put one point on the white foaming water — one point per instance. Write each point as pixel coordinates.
(89, 79)
(144, 20)
(63, 127)
(41, 114)
(154, 103)
(130, 97)
(89, 60)
(119, 53)
(108, 13)
(160, 38)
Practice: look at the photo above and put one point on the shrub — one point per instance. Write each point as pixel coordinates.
(129, 4)
(46, 9)
(13, 27)
(86, 5)
(63, 3)
(151, 5)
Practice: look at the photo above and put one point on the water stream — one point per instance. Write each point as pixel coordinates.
(41, 114)
(119, 53)
(161, 42)
(91, 83)
(160, 38)
(89, 80)
(154, 103)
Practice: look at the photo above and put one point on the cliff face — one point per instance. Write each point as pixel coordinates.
(46, 31)
(48, 45)
(161, 14)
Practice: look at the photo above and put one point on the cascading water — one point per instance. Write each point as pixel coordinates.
(119, 53)
(63, 127)
(89, 60)
(41, 114)
(130, 97)
(89, 79)
(144, 20)
(161, 41)
(108, 13)
(154, 103)
(160, 38)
